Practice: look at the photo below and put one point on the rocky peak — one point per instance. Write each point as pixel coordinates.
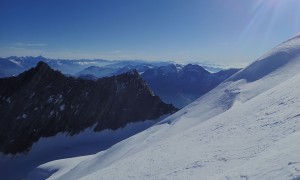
(42, 66)
(194, 68)
(133, 73)
(42, 102)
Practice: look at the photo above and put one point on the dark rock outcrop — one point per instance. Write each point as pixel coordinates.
(42, 102)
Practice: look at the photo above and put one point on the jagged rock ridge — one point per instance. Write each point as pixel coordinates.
(42, 102)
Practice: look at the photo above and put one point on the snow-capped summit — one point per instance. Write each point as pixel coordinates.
(246, 128)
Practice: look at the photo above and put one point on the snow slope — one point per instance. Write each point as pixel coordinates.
(65, 146)
(246, 128)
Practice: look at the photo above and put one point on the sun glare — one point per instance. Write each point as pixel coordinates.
(267, 14)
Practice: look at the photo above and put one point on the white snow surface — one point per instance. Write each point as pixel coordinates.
(64, 146)
(246, 128)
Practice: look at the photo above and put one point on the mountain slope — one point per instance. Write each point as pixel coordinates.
(246, 128)
(42, 102)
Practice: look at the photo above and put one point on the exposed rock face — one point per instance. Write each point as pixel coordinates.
(42, 102)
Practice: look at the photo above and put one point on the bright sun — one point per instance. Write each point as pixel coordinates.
(267, 14)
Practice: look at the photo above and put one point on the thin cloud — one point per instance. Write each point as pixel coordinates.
(19, 44)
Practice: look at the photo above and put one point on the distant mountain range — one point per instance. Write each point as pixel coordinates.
(12, 66)
(180, 85)
(42, 102)
(174, 83)
(106, 71)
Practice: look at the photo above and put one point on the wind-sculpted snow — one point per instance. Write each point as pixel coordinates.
(246, 128)
(277, 58)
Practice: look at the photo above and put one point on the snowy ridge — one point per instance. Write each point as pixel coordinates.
(287, 46)
(246, 128)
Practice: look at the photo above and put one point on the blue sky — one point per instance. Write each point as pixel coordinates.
(218, 31)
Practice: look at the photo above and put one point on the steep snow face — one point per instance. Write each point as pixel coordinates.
(246, 128)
